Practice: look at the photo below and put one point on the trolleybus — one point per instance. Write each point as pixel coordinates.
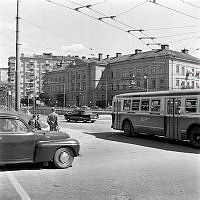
(171, 114)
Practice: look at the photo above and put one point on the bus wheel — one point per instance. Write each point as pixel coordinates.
(128, 128)
(195, 137)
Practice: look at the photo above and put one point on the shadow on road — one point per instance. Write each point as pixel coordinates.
(148, 141)
(24, 166)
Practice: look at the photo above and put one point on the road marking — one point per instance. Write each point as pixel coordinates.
(18, 187)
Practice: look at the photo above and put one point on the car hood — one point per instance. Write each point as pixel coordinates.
(51, 135)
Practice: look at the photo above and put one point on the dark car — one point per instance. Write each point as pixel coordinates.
(80, 115)
(19, 143)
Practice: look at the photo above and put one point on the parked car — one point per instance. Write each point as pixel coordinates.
(19, 143)
(80, 115)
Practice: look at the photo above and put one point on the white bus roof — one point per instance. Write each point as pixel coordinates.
(180, 92)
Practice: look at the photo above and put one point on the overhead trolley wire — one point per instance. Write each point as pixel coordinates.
(172, 9)
(99, 19)
(173, 27)
(130, 9)
(114, 18)
(190, 4)
(177, 35)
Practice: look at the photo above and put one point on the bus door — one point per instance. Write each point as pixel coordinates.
(116, 118)
(172, 118)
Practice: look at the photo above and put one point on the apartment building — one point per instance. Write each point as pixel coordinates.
(32, 69)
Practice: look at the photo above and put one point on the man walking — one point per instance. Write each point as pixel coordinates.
(52, 120)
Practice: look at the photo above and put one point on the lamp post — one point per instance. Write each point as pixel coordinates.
(147, 85)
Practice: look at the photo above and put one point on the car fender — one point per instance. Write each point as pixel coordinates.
(45, 150)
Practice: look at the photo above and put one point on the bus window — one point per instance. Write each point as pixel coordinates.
(191, 105)
(155, 105)
(127, 105)
(135, 105)
(145, 105)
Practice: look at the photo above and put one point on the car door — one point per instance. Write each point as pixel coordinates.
(17, 143)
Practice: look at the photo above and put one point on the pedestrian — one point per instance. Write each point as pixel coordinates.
(38, 123)
(32, 121)
(52, 120)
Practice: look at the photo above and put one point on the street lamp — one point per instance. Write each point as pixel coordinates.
(147, 85)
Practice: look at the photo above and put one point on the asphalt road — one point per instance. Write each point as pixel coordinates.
(110, 167)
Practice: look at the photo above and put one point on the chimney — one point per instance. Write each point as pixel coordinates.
(185, 51)
(164, 47)
(138, 51)
(100, 56)
(118, 54)
(107, 56)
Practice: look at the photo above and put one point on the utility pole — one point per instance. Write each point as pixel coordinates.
(17, 68)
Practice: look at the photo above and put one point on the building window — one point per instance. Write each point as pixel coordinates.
(78, 86)
(112, 75)
(84, 76)
(138, 83)
(125, 74)
(192, 72)
(153, 83)
(192, 86)
(153, 70)
(83, 85)
(177, 68)
(117, 86)
(111, 86)
(78, 76)
(124, 87)
(183, 70)
(177, 83)
(138, 71)
(183, 84)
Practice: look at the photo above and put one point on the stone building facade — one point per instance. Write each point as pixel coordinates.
(75, 83)
(156, 70)
(95, 81)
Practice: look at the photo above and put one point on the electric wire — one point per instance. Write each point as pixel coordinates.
(168, 28)
(184, 39)
(130, 9)
(172, 9)
(190, 4)
(177, 35)
(53, 32)
(88, 15)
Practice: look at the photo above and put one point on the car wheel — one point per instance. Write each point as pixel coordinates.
(128, 128)
(63, 158)
(195, 137)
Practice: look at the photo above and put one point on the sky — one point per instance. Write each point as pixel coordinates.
(63, 28)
